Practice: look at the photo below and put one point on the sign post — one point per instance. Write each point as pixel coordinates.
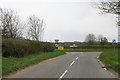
(113, 42)
(56, 43)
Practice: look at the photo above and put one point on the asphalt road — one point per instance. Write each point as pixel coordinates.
(70, 65)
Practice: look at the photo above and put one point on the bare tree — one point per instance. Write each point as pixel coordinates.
(90, 38)
(36, 28)
(99, 39)
(109, 6)
(10, 24)
(102, 40)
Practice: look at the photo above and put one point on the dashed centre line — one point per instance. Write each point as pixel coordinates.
(62, 75)
(76, 58)
(66, 70)
(72, 63)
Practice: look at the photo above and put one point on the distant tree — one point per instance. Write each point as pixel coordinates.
(90, 39)
(77, 42)
(10, 24)
(104, 41)
(36, 28)
(99, 38)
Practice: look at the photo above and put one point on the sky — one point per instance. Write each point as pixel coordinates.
(66, 20)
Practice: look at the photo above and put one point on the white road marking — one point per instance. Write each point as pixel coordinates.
(62, 75)
(105, 68)
(97, 57)
(98, 60)
(72, 63)
(76, 58)
(66, 70)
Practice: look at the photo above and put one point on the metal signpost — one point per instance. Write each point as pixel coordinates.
(113, 42)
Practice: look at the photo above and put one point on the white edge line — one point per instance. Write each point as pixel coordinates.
(62, 75)
(72, 63)
(105, 68)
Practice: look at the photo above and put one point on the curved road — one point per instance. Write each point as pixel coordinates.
(70, 65)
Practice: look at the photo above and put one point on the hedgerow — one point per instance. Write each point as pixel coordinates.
(24, 47)
(92, 46)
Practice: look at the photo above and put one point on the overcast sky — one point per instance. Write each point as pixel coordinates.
(66, 20)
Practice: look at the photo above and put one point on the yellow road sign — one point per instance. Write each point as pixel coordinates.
(60, 48)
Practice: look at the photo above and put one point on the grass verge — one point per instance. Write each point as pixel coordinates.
(0, 66)
(110, 59)
(13, 64)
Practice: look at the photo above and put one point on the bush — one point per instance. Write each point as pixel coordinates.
(23, 47)
(48, 48)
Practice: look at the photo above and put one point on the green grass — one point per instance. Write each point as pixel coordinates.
(110, 58)
(82, 50)
(13, 64)
(0, 67)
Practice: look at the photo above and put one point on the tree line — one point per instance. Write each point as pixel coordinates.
(12, 26)
(92, 39)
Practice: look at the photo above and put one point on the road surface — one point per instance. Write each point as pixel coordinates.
(70, 65)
